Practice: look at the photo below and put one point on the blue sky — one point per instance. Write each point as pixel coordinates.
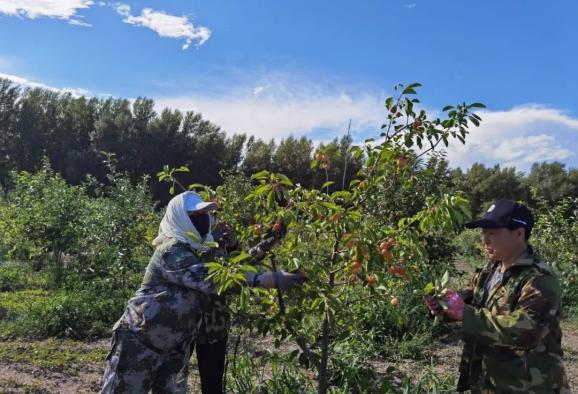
(275, 68)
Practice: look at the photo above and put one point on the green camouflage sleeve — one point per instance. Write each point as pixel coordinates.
(185, 269)
(522, 327)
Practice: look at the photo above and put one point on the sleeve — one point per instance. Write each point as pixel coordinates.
(523, 327)
(184, 268)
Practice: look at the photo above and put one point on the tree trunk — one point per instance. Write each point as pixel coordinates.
(58, 268)
(322, 376)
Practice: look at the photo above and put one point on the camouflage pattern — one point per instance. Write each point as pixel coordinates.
(133, 367)
(163, 317)
(513, 340)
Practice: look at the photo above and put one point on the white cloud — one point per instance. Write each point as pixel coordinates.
(57, 9)
(278, 107)
(518, 137)
(122, 9)
(523, 151)
(171, 26)
(274, 110)
(24, 82)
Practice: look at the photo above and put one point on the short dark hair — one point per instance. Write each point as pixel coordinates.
(527, 231)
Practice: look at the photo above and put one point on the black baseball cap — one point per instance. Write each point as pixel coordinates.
(505, 214)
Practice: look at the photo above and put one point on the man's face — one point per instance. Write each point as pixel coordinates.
(502, 243)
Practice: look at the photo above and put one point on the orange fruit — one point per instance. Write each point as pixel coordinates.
(371, 280)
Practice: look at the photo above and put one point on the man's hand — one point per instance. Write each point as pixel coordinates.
(434, 306)
(451, 305)
(455, 305)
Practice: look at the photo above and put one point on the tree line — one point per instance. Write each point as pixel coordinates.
(73, 133)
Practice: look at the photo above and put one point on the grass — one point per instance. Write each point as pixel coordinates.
(66, 356)
(18, 276)
(14, 305)
(15, 386)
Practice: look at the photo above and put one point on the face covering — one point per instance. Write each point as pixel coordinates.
(202, 223)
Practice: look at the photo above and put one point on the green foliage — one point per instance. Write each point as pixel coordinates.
(484, 185)
(83, 313)
(74, 236)
(116, 233)
(15, 277)
(102, 236)
(269, 373)
(430, 381)
(14, 305)
(555, 239)
(552, 182)
(469, 248)
(42, 218)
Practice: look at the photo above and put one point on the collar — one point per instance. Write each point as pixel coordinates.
(525, 259)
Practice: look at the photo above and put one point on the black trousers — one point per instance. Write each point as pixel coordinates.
(211, 362)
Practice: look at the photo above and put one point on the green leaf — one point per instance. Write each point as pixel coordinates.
(477, 105)
(327, 184)
(262, 189)
(213, 266)
(414, 85)
(428, 289)
(285, 180)
(330, 205)
(389, 102)
(260, 175)
(248, 268)
(211, 244)
(474, 121)
(196, 186)
(445, 280)
(271, 199)
(242, 256)
(193, 236)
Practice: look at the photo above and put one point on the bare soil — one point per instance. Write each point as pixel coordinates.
(25, 377)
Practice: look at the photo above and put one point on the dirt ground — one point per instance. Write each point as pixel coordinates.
(23, 377)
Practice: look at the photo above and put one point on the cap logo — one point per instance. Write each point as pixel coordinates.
(492, 208)
(520, 221)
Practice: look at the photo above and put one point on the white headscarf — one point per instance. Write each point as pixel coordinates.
(177, 224)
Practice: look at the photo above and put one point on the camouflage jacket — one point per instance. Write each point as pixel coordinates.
(166, 309)
(513, 341)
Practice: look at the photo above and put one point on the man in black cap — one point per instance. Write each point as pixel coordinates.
(510, 312)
